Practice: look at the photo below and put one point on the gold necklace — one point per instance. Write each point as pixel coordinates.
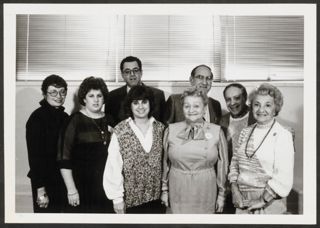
(103, 133)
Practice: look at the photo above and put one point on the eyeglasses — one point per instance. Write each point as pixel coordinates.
(134, 71)
(54, 93)
(201, 77)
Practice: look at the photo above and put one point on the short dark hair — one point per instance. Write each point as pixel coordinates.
(54, 80)
(202, 65)
(271, 90)
(139, 92)
(90, 83)
(130, 59)
(237, 85)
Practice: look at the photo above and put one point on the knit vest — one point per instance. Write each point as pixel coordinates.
(142, 171)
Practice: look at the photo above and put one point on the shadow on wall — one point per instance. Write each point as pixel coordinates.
(295, 198)
(76, 103)
(32, 97)
(295, 202)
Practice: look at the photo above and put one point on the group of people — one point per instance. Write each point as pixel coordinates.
(143, 154)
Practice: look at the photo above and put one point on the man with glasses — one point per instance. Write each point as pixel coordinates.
(201, 77)
(131, 71)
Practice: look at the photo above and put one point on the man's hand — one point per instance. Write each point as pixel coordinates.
(237, 198)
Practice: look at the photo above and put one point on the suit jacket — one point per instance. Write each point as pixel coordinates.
(174, 111)
(114, 105)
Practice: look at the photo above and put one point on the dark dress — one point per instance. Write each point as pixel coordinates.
(42, 131)
(84, 150)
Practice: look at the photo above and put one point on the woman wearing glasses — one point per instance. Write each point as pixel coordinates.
(42, 131)
(84, 150)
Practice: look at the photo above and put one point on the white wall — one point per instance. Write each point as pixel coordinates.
(28, 94)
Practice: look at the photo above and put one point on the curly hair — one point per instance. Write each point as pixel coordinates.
(195, 92)
(139, 92)
(54, 80)
(130, 59)
(271, 90)
(90, 83)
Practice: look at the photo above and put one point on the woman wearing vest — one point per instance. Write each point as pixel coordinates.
(195, 163)
(132, 177)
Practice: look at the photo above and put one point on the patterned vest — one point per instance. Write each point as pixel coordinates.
(142, 171)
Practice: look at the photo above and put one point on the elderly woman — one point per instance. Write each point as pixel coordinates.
(132, 177)
(84, 151)
(195, 161)
(42, 131)
(261, 169)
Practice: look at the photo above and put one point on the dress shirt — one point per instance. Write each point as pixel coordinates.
(113, 178)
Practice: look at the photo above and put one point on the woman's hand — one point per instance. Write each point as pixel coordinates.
(256, 204)
(219, 205)
(74, 199)
(165, 198)
(42, 198)
(237, 198)
(119, 208)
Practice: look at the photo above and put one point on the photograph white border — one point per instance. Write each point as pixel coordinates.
(309, 161)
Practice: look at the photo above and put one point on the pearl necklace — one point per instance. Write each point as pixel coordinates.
(254, 152)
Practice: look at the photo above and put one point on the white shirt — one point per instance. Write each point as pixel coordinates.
(112, 177)
(235, 127)
(207, 114)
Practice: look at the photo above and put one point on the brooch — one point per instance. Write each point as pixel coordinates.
(208, 135)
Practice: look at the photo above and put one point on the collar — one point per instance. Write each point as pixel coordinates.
(130, 120)
(44, 103)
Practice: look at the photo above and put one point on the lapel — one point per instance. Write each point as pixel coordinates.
(212, 114)
(123, 92)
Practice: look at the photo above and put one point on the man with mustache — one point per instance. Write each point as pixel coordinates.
(201, 77)
(238, 117)
(131, 72)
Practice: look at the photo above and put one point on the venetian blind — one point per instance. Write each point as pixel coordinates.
(262, 47)
(73, 46)
(169, 46)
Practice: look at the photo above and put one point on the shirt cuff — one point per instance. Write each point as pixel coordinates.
(269, 194)
(118, 200)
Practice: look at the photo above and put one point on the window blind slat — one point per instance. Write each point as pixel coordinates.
(262, 47)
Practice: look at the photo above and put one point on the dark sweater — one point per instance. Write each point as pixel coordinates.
(42, 132)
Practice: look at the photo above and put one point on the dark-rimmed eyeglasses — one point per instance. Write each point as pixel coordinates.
(134, 71)
(55, 93)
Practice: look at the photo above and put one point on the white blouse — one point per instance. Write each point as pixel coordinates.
(112, 177)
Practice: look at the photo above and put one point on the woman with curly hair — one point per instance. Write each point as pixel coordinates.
(84, 150)
(132, 177)
(261, 169)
